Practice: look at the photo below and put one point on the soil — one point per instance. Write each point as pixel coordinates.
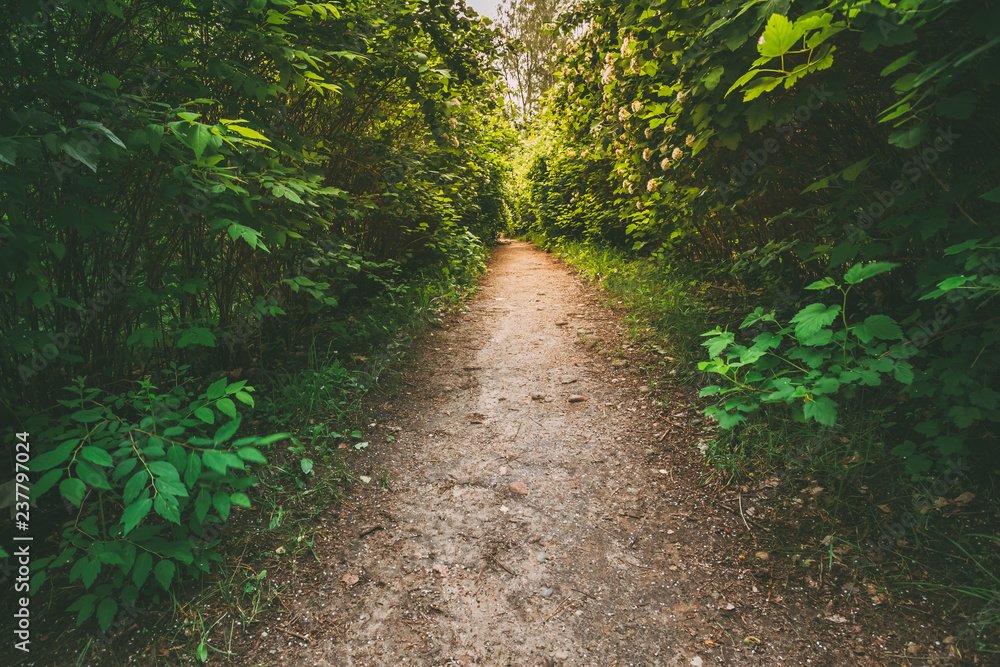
(543, 507)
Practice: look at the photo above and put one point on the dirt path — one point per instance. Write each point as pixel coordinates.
(537, 531)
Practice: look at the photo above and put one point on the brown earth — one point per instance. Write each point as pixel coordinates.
(542, 508)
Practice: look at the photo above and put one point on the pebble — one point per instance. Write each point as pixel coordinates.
(561, 655)
(618, 363)
(519, 488)
(547, 593)
(537, 396)
(576, 398)
(541, 557)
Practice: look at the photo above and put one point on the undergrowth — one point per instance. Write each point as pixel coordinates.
(844, 500)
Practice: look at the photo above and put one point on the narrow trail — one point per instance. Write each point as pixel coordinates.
(541, 531)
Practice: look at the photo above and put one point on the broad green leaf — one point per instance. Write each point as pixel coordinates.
(227, 431)
(860, 272)
(216, 389)
(106, 613)
(97, 456)
(135, 513)
(251, 454)
(719, 343)
(883, 327)
(205, 414)
(222, 504)
(164, 573)
(812, 318)
(72, 489)
(779, 37)
(227, 407)
(823, 410)
(91, 475)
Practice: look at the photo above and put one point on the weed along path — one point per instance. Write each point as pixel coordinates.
(541, 509)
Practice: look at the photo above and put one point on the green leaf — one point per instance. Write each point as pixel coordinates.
(106, 613)
(201, 505)
(227, 407)
(251, 454)
(860, 272)
(823, 410)
(825, 283)
(903, 372)
(72, 489)
(164, 573)
(217, 389)
(135, 513)
(240, 499)
(84, 608)
(135, 485)
(47, 481)
(97, 456)
(214, 460)
(779, 37)
(719, 343)
(306, 465)
(205, 415)
(222, 504)
(898, 63)
(244, 397)
(90, 475)
(227, 431)
(93, 124)
(140, 571)
(851, 173)
(883, 327)
(965, 416)
(56, 457)
(812, 318)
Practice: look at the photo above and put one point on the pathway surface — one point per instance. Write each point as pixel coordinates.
(536, 515)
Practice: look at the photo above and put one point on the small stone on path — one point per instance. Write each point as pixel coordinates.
(576, 398)
(541, 557)
(519, 488)
(547, 593)
(537, 396)
(561, 655)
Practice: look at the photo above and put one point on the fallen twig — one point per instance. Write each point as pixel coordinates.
(294, 634)
(510, 571)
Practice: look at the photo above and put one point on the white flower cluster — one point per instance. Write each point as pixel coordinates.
(689, 140)
(651, 185)
(623, 114)
(665, 163)
(649, 133)
(608, 74)
(677, 154)
(669, 129)
(682, 96)
(636, 106)
(626, 49)
(646, 154)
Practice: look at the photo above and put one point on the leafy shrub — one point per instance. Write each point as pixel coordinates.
(147, 477)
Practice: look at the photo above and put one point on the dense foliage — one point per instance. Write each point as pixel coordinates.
(188, 186)
(843, 148)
